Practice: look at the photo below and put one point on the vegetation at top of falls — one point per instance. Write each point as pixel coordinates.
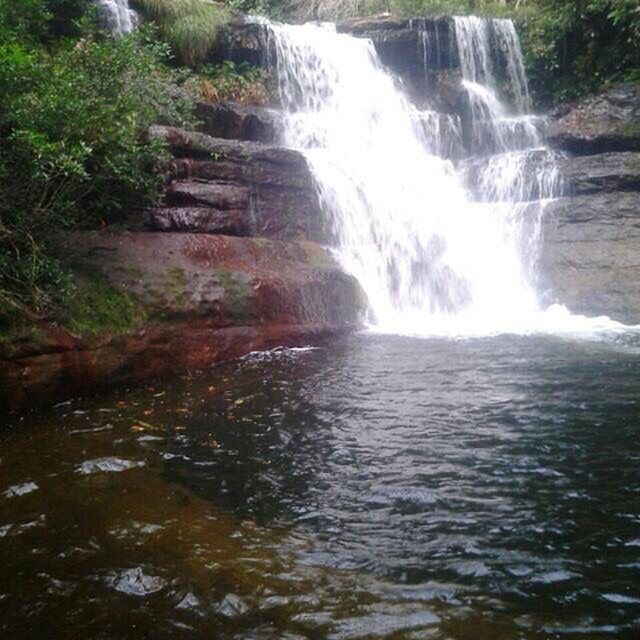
(189, 26)
(76, 106)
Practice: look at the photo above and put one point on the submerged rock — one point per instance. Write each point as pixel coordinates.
(232, 606)
(107, 465)
(20, 490)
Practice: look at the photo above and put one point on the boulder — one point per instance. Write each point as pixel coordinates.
(589, 259)
(206, 298)
(239, 188)
(239, 122)
(243, 40)
(607, 121)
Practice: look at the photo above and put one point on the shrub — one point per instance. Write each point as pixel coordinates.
(74, 152)
(575, 46)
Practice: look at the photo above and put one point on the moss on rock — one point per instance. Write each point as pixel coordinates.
(97, 307)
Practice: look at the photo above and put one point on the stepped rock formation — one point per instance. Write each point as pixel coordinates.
(590, 255)
(206, 296)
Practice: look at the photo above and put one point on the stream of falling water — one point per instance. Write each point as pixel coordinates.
(431, 258)
(117, 16)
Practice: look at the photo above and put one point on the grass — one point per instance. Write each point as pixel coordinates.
(190, 26)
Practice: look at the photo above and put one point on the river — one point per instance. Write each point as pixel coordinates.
(381, 486)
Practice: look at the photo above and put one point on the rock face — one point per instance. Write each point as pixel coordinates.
(589, 255)
(589, 259)
(415, 49)
(239, 188)
(608, 121)
(250, 278)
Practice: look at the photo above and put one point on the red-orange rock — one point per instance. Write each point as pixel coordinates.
(208, 298)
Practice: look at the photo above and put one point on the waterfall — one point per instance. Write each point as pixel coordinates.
(117, 16)
(433, 256)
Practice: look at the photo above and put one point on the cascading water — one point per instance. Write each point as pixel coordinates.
(117, 16)
(431, 258)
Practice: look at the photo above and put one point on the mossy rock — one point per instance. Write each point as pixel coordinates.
(97, 307)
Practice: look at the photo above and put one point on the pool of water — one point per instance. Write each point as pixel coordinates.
(380, 487)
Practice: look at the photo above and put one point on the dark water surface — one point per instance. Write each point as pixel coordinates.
(380, 487)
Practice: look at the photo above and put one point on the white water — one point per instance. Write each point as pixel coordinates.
(117, 16)
(431, 259)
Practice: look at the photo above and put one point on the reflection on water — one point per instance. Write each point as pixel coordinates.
(380, 487)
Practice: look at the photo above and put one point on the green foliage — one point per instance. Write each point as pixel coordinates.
(446, 7)
(73, 153)
(189, 26)
(573, 47)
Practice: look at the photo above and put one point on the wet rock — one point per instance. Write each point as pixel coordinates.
(206, 298)
(542, 173)
(407, 46)
(203, 193)
(516, 176)
(238, 188)
(107, 465)
(232, 606)
(607, 172)
(589, 254)
(243, 41)
(135, 582)
(234, 159)
(608, 121)
(20, 490)
(414, 49)
(232, 222)
(238, 122)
